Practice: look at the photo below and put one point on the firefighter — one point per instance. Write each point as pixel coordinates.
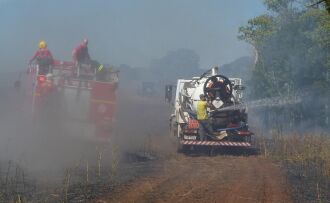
(80, 55)
(223, 91)
(44, 58)
(203, 118)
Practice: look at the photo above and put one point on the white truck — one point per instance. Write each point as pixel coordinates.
(227, 117)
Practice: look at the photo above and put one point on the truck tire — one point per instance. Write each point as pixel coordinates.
(180, 147)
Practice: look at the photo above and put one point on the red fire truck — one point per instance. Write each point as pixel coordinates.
(84, 103)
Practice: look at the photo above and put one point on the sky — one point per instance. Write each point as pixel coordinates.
(132, 32)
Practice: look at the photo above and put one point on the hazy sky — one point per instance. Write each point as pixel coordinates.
(125, 31)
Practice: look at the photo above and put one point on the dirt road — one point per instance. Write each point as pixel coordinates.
(171, 178)
(181, 178)
(207, 179)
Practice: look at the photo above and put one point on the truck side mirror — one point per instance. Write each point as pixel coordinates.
(168, 93)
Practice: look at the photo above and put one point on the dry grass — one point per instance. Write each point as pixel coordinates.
(307, 160)
(88, 178)
(84, 181)
(14, 186)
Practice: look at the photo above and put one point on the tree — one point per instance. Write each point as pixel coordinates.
(278, 5)
(326, 2)
(293, 44)
(258, 30)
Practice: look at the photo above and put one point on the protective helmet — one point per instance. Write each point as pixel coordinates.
(85, 42)
(49, 76)
(100, 68)
(42, 44)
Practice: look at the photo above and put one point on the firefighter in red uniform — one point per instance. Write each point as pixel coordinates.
(80, 55)
(44, 58)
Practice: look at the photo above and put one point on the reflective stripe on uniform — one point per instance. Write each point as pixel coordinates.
(100, 67)
(100, 101)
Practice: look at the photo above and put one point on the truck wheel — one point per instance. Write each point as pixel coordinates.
(181, 148)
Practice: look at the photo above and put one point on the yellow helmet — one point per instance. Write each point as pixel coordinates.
(42, 44)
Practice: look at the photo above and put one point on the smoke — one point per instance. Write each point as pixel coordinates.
(123, 32)
(147, 34)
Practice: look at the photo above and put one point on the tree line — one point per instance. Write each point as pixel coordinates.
(292, 42)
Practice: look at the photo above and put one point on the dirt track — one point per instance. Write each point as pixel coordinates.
(207, 179)
(181, 178)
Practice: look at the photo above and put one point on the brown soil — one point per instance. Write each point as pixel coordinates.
(143, 123)
(207, 179)
(181, 178)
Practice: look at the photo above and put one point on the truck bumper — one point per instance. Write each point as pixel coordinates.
(215, 143)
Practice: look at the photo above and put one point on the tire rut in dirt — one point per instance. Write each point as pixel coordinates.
(208, 179)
